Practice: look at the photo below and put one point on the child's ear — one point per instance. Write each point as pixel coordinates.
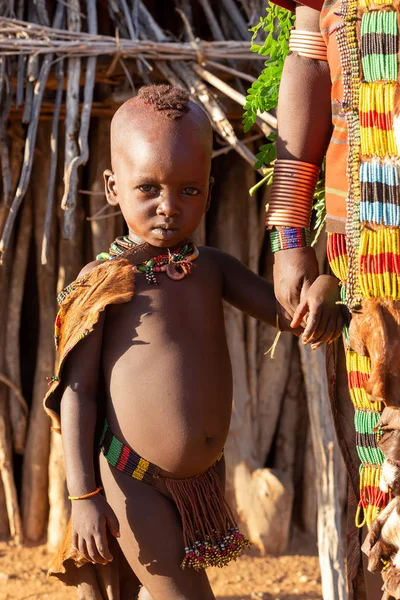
(110, 187)
(210, 187)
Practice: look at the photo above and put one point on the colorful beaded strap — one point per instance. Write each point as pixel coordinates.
(293, 237)
(126, 460)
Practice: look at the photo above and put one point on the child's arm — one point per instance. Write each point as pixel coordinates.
(78, 421)
(255, 296)
(249, 292)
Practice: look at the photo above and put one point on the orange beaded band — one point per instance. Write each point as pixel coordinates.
(292, 191)
(84, 496)
(308, 44)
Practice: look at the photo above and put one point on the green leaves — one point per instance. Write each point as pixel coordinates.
(263, 94)
(267, 152)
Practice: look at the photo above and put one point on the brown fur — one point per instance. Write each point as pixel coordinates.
(382, 546)
(375, 332)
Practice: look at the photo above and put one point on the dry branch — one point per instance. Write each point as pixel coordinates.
(21, 37)
(323, 437)
(17, 405)
(71, 176)
(212, 21)
(232, 71)
(71, 123)
(30, 142)
(53, 164)
(236, 17)
(4, 152)
(36, 459)
(232, 93)
(7, 475)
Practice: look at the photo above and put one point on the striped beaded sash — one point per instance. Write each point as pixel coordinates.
(366, 412)
(126, 460)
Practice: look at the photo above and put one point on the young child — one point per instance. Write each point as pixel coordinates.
(143, 353)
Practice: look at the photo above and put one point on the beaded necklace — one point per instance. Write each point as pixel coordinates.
(176, 264)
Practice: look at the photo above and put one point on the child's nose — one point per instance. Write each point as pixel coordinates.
(168, 206)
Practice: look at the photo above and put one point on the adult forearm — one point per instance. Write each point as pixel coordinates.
(78, 419)
(304, 110)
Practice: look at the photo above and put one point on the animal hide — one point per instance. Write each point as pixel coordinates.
(375, 332)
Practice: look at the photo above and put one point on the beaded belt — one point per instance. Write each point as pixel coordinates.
(126, 460)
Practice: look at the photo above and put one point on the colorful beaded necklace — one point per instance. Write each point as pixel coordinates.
(176, 264)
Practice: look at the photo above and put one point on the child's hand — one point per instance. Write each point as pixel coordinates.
(90, 518)
(319, 308)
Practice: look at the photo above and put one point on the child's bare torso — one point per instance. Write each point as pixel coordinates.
(167, 370)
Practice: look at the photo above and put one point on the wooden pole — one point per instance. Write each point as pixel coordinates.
(18, 409)
(102, 230)
(36, 460)
(330, 544)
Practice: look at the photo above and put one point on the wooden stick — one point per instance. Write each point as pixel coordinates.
(231, 93)
(17, 405)
(30, 143)
(232, 71)
(68, 201)
(103, 230)
(212, 21)
(330, 544)
(6, 468)
(20, 80)
(43, 40)
(7, 475)
(35, 481)
(4, 152)
(20, 398)
(53, 163)
(236, 17)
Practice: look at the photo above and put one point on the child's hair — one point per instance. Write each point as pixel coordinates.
(172, 101)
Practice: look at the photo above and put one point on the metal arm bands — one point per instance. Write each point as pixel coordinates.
(308, 44)
(292, 192)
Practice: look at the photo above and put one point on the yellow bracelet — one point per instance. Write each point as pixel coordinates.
(96, 491)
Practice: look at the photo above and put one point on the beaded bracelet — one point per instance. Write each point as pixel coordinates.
(294, 237)
(308, 44)
(84, 496)
(292, 192)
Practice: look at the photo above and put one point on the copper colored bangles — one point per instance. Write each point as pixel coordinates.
(308, 44)
(292, 192)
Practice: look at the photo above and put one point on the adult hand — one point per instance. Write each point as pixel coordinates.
(295, 271)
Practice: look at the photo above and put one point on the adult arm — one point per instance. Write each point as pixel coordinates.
(304, 131)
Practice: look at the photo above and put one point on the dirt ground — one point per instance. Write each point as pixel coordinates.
(290, 577)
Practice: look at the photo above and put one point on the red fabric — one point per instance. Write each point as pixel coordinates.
(290, 5)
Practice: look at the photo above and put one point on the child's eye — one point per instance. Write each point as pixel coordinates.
(147, 188)
(191, 191)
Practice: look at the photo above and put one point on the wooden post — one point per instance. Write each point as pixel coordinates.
(36, 461)
(330, 546)
(103, 230)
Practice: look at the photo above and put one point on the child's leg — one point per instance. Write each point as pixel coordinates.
(151, 538)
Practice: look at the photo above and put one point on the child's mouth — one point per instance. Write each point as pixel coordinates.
(164, 231)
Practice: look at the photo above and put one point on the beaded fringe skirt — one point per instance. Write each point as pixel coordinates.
(366, 412)
(210, 534)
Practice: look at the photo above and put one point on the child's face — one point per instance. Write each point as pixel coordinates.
(161, 180)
